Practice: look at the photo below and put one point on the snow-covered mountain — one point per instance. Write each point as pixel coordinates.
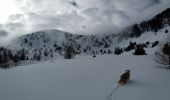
(54, 42)
(49, 44)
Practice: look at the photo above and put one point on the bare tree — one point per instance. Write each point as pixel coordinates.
(162, 56)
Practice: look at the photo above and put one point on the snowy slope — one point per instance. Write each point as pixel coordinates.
(86, 78)
(148, 36)
(38, 39)
(54, 39)
(51, 40)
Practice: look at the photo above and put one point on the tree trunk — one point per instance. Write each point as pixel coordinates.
(169, 62)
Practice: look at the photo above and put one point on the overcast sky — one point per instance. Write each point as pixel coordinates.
(76, 16)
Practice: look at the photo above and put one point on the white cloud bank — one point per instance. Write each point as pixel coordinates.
(79, 16)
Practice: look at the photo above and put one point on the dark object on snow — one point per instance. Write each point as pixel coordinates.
(124, 78)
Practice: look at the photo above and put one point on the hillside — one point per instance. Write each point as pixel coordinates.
(52, 44)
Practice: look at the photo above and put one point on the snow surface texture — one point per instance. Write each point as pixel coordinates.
(86, 78)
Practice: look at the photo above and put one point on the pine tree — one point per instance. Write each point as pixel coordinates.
(166, 31)
(139, 50)
(23, 54)
(109, 51)
(46, 52)
(16, 58)
(131, 46)
(6, 59)
(118, 51)
(93, 53)
(69, 52)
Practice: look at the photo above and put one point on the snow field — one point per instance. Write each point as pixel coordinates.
(86, 78)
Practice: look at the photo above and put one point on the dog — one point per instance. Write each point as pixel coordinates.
(124, 78)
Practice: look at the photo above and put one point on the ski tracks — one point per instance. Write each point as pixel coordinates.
(114, 93)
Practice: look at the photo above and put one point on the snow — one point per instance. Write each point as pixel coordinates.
(86, 78)
(150, 36)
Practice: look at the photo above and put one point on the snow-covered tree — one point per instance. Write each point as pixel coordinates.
(118, 51)
(69, 52)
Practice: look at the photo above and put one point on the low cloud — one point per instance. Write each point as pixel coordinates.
(81, 16)
(3, 33)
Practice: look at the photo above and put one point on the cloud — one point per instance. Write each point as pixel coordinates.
(3, 33)
(14, 26)
(81, 16)
(16, 18)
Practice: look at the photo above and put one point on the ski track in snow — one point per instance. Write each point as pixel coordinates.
(114, 93)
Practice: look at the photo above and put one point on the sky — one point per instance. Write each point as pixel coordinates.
(18, 17)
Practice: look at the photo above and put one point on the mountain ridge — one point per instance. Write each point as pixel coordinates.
(52, 43)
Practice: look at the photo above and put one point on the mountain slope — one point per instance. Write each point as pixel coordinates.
(49, 44)
(54, 41)
(155, 24)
